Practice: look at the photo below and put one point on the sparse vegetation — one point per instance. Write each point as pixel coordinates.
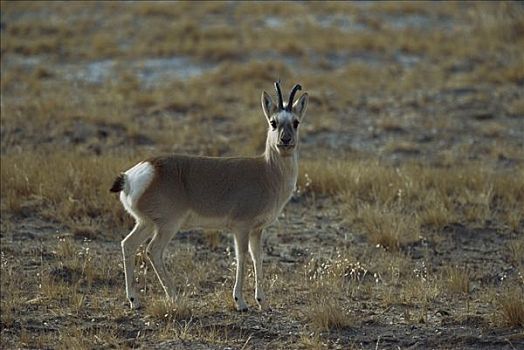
(327, 314)
(408, 215)
(165, 310)
(511, 308)
(456, 280)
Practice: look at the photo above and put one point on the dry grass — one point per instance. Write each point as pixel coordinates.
(385, 75)
(34, 185)
(456, 280)
(387, 227)
(391, 203)
(516, 251)
(168, 311)
(511, 308)
(327, 314)
(516, 108)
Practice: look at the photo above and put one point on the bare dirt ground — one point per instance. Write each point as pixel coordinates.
(407, 227)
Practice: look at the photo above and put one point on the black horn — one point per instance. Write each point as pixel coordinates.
(279, 95)
(292, 96)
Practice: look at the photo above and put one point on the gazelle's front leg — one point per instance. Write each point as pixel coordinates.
(241, 245)
(255, 248)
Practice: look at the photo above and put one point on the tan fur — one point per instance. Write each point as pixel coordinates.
(205, 189)
(242, 194)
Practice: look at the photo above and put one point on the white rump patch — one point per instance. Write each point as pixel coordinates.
(137, 179)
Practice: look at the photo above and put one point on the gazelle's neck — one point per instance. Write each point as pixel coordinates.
(286, 165)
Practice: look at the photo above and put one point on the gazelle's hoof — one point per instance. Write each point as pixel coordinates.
(133, 302)
(260, 297)
(262, 304)
(242, 309)
(240, 305)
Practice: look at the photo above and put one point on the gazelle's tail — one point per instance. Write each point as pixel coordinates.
(118, 185)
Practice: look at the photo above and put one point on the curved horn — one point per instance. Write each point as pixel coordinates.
(292, 96)
(279, 95)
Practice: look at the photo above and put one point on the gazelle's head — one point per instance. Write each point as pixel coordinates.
(284, 120)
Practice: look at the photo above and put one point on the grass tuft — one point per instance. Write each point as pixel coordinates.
(387, 227)
(456, 280)
(327, 314)
(511, 308)
(161, 309)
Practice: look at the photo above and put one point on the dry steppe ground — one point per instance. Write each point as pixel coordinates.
(407, 227)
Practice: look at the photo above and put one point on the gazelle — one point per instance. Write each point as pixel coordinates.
(241, 194)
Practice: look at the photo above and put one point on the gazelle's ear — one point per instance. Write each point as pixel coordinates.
(267, 105)
(300, 106)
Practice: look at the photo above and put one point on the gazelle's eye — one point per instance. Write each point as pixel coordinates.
(295, 123)
(273, 124)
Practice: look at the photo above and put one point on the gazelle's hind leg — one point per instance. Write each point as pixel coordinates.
(130, 244)
(155, 254)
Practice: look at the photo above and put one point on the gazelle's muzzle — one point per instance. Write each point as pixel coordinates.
(286, 147)
(286, 141)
